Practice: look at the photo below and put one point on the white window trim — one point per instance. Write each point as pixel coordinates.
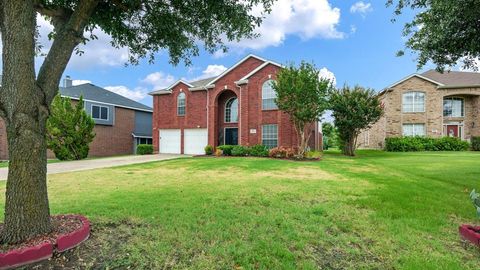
(100, 112)
(463, 106)
(271, 109)
(413, 126)
(184, 104)
(225, 112)
(263, 132)
(424, 101)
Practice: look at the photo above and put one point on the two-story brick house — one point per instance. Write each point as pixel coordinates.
(236, 107)
(429, 104)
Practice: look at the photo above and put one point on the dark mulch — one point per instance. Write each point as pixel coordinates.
(61, 224)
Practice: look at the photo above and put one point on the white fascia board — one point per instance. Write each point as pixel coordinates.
(415, 75)
(236, 65)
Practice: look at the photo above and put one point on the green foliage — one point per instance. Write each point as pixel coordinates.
(475, 197)
(354, 109)
(330, 135)
(69, 129)
(240, 151)
(302, 94)
(475, 142)
(226, 149)
(418, 143)
(444, 32)
(144, 149)
(208, 150)
(258, 150)
(314, 154)
(282, 152)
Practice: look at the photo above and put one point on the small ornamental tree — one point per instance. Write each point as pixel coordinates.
(354, 109)
(329, 132)
(302, 94)
(69, 129)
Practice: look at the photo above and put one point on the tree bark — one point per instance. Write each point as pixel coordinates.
(349, 147)
(25, 113)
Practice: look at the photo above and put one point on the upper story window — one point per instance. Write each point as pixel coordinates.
(100, 112)
(413, 102)
(453, 107)
(231, 110)
(181, 104)
(268, 96)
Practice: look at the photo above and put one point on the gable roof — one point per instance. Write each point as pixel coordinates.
(94, 93)
(450, 79)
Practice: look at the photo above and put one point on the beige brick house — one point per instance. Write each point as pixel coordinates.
(428, 104)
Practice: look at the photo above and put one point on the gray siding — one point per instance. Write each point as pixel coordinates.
(143, 123)
(111, 113)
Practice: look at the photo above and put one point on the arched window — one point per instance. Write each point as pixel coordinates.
(181, 104)
(231, 110)
(413, 102)
(268, 96)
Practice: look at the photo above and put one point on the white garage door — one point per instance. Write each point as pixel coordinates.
(195, 141)
(169, 141)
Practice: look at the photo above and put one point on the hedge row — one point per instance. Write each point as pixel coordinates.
(475, 143)
(412, 144)
(239, 150)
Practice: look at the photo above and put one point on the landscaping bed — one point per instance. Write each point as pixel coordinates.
(68, 231)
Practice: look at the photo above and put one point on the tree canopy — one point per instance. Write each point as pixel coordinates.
(444, 32)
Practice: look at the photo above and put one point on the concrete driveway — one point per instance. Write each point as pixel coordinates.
(96, 163)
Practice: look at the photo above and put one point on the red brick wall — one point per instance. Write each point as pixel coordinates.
(109, 140)
(251, 114)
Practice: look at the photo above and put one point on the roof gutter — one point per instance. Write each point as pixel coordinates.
(459, 86)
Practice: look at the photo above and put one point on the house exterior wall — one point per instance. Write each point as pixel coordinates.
(391, 124)
(205, 109)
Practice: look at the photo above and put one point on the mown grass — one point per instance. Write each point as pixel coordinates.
(375, 211)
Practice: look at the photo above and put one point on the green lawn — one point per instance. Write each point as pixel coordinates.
(376, 211)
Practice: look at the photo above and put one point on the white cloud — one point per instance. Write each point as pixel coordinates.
(303, 18)
(158, 80)
(327, 74)
(211, 71)
(79, 82)
(136, 94)
(361, 8)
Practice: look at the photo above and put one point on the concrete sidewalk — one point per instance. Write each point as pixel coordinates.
(89, 164)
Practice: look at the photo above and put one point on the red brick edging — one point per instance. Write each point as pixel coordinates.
(469, 233)
(43, 251)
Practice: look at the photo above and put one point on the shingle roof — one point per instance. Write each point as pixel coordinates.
(454, 78)
(94, 93)
(202, 82)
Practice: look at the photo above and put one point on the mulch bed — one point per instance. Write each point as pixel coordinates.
(61, 225)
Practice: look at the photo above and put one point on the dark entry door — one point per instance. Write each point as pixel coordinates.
(231, 136)
(452, 131)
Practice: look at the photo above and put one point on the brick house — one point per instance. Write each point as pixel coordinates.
(120, 123)
(428, 104)
(236, 107)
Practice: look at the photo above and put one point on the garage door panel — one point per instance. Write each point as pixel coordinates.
(195, 141)
(170, 141)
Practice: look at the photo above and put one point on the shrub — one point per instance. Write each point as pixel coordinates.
(258, 150)
(226, 149)
(144, 149)
(218, 152)
(282, 152)
(313, 154)
(239, 151)
(475, 143)
(208, 150)
(413, 144)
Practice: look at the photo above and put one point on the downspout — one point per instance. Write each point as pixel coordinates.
(208, 105)
(240, 114)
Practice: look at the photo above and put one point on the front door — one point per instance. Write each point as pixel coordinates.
(452, 131)
(231, 136)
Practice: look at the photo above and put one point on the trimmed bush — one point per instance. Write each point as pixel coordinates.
(282, 152)
(258, 150)
(239, 151)
(208, 150)
(144, 149)
(218, 152)
(475, 143)
(313, 154)
(226, 149)
(414, 144)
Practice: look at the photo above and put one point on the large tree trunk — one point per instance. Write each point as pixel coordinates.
(349, 147)
(25, 112)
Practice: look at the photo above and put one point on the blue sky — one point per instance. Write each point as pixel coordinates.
(355, 40)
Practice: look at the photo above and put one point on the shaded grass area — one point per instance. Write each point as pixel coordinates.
(375, 211)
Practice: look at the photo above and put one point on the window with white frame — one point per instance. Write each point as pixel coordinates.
(268, 96)
(99, 112)
(181, 104)
(413, 102)
(270, 136)
(453, 107)
(413, 129)
(231, 111)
